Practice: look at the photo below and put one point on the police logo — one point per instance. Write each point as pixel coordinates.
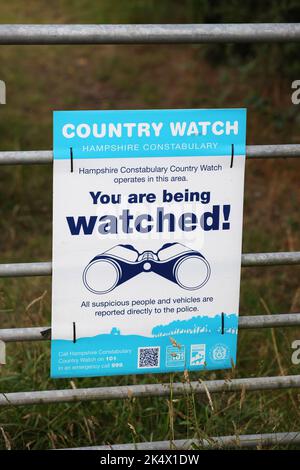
(220, 352)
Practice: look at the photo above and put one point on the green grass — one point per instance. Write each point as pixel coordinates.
(41, 79)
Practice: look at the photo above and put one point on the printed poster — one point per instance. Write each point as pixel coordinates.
(147, 232)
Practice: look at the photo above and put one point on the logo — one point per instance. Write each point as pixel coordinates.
(175, 357)
(219, 352)
(197, 355)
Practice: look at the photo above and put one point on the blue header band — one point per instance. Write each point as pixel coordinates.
(149, 133)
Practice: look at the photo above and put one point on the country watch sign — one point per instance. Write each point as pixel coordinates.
(147, 231)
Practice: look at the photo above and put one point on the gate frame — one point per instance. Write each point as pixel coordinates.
(157, 34)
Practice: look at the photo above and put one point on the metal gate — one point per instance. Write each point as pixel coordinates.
(157, 34)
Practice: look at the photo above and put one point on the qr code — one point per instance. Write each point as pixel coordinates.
(148, 357)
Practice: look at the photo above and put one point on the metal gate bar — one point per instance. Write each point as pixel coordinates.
(42, 333)
(149, 390)
(248, 441)
(252, 152)
(147, 33)
(248, 260)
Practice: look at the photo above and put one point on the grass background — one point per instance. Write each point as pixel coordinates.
(41, 79)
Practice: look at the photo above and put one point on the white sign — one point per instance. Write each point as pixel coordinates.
(147, 231)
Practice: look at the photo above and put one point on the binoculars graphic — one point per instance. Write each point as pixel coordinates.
(186, 267)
